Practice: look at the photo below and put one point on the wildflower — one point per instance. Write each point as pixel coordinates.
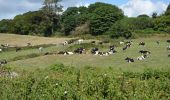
(46, 77)
(65, 92)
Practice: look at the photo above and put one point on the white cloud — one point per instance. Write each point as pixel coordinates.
(10, 8)
(134, 8)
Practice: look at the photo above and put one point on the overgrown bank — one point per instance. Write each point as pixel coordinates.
(64, 83)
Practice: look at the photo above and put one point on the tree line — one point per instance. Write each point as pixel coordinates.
(96, 19)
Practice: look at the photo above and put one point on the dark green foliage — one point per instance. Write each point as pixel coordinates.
(103, 16)
(146, 16)
(97, 19)
(5, 26)
(162, 23)
(74, 17)
(154, 15)
(168, 10)
(121, 28)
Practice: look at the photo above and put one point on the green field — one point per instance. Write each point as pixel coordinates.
(86, 76)
(157, 60)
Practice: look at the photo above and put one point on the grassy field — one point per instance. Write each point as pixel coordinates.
(157, 60)
(22, 40)
(86, 76)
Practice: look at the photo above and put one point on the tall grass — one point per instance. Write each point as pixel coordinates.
(59, 82)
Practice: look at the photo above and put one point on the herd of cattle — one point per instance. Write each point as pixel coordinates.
(95, 51)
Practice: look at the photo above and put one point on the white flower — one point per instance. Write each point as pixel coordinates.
(46, 77)
(65, 92)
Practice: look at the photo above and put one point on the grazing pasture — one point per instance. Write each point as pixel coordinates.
(158, 59)
(23, 40)
(52, 74)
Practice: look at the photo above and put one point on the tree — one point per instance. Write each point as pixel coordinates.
(154, 15)
(167, 12)
(144, 15)
(102, 17)
(69, 24)
(52, 6)
(74, 17)
(121, 28)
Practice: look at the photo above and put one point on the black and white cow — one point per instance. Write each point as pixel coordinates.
(3, 62)
(4, 45)
(142, 43)
(112, 47)
(168, 47)
(129, 60)
(124, 48)
(102, 53)
(144, 52)
(79, 50)
(94, 50)
(65, 53)
(143, 57)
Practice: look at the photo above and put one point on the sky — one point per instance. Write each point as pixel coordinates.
(132, 8)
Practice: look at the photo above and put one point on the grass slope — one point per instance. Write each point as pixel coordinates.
(157, 60)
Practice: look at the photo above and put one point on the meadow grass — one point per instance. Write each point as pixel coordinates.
(157, 60)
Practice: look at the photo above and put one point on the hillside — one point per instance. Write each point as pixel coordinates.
(22, 40)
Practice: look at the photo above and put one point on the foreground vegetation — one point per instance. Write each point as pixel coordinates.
(61, 82)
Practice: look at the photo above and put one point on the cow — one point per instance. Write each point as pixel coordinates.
(61, 52)
(65, 43)
(79, 50)
(100, 43)
(128, 45)
(168, 41)
(3, 62)
(144, 52)
(69, 53)
(93, 51)
(168, 47)
(4, 45)
(169, 55)
(129, 60)
(80, 41)
(93, 42)
(18, 49)
(112, 52)
(124, 48)
(0, 50)
(105, 53)
(157, 42)
(65, 53)
(40, 49)
(142, 43)
(112, 47)
(143, 57)
(102, 53)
